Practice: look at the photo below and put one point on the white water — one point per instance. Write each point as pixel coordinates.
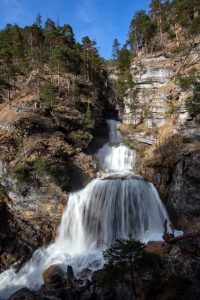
(120, 204)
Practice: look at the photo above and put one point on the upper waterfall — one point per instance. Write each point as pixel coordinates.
(115, 156)
(120, 204)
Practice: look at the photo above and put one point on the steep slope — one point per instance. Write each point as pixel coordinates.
(44, 155)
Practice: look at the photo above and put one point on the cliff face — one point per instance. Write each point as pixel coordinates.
(157, 124)
(157, 97)
(43, 156)
(152, 76)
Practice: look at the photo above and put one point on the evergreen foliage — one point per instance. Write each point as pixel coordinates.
(191, 82)
(48, 93)
(45, 45)
(149, 32)
(115, 49)
(39, 167)
(174, 17)
(127, 261)
(89, 120)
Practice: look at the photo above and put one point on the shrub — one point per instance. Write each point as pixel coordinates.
(89, 120)
(192, 104)
(192, 82)
(20, 173)
(56, 170)
(40, 167)
(80, 137)
(188, 81)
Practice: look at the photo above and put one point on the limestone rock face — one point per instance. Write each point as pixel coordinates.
(152, 76)
(178, 182)
(157, 98)
(163, 133)
(184, 190)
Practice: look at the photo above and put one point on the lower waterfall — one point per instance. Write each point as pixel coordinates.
(119, 204)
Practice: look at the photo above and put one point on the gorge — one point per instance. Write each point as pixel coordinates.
(117, 205)
(99, 156)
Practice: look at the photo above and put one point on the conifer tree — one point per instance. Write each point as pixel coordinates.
(115, 49)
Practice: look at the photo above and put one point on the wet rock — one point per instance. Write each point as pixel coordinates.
(53, 275)
(175, 251)
(70, 278)
(86, 285)
(23, 294)
(57, 293)
(84, 273)
(87, 295)
(95, 277)
(156, 248)
(190, 246)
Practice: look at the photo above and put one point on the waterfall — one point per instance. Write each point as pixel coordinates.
(119, 204)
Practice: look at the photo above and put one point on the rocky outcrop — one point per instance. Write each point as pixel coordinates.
(184, 190)
(20, 235)
(151, 75)
(172, 272)
(163, 133)
(156, 96)
(174, 169)
(43, 156)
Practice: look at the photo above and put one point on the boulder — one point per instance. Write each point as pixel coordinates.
(156, 248)
(53, 275)
(23, 294)
(84, 273)
(70, 277)
(55, 293)
(190, 246)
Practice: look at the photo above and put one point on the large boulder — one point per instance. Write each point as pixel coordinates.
(23, 294)
(53, 275)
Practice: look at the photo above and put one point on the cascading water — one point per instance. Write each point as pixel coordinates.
(120, 204)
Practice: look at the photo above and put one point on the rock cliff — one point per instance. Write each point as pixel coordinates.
(157, 124)
(43, 156)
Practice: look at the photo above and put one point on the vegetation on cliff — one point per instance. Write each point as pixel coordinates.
(47, 47)
(169, 27)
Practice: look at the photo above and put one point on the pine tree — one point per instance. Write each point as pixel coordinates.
(38, 21)
(126, 262)
(89, 120)
(48, 94)
(115, 49)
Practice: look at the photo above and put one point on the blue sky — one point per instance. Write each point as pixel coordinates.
(102, 20)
